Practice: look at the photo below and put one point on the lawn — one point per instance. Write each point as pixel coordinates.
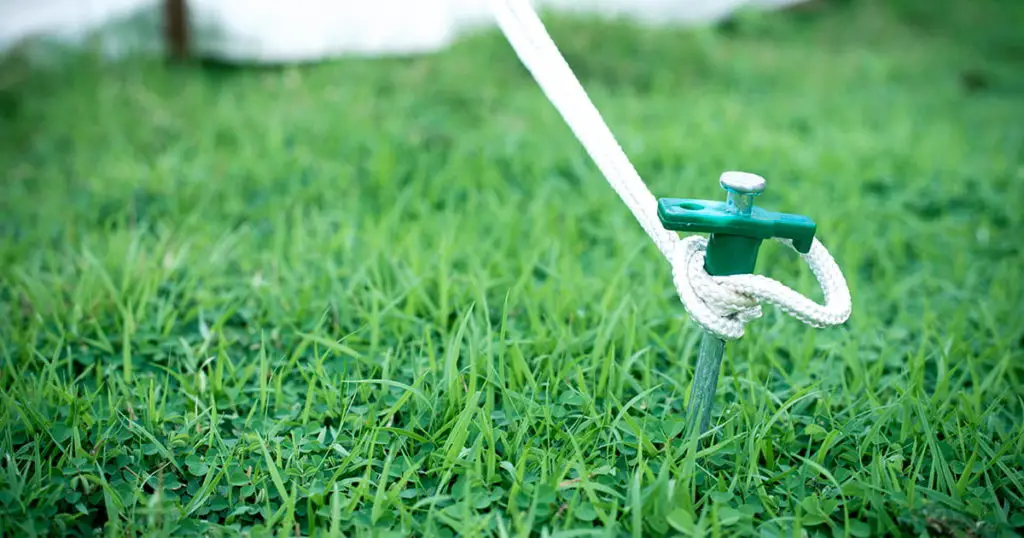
(394, 297)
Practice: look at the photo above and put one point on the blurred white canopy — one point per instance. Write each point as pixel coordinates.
(303, 30)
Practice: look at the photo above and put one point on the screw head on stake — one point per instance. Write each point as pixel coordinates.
(742, 188)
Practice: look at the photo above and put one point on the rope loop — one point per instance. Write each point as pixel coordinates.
(723, 305)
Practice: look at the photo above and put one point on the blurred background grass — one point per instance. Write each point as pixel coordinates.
(181, 238)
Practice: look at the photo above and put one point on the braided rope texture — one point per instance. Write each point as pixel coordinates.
(723, 305)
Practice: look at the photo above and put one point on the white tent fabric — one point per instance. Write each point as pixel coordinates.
(303, 30)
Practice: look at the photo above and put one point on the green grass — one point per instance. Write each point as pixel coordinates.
(382, 298)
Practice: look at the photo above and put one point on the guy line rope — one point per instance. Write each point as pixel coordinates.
(721, 305)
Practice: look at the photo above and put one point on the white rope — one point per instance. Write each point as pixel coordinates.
(720, 305)
(538, 52)
(723, 305)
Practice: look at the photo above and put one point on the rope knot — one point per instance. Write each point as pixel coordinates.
(723, 305)
(716, 308)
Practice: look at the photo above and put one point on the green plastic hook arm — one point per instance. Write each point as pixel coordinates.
(736, 226)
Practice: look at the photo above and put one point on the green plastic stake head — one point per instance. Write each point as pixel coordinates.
(736, 226)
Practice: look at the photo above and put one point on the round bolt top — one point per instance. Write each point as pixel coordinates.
(742, 182)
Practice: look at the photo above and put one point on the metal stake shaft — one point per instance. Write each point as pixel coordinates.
(705, 382)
